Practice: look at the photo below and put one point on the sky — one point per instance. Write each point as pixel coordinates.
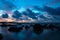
(11, 4)
(24, 3)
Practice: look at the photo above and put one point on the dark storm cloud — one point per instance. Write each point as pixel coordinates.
(53, 11)
(50, 10)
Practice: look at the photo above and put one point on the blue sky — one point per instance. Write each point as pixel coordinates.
(26, 3)
(20, 3)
